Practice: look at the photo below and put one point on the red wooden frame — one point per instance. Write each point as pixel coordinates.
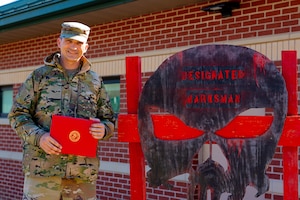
(290, 152)
(290, 139)
(137, 161)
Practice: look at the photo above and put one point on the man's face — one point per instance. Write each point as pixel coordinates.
(71, 50)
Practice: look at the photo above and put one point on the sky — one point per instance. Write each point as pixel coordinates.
(4, 2)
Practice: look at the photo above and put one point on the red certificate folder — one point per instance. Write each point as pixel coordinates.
(74, 136)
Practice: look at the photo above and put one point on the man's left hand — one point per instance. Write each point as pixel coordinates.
(97, 129)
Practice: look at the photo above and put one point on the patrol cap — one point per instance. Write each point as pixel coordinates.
(75, 30)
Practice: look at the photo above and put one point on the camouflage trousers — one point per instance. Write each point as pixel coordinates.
(57, 188)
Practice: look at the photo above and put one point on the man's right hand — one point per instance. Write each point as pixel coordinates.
(50, 145)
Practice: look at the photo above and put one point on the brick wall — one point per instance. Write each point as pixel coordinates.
(11, 182)
(173, 28)
(182, 27)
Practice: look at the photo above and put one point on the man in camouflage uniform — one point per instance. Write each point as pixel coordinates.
(65, 85)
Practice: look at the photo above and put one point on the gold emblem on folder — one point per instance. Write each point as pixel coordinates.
(74, 136)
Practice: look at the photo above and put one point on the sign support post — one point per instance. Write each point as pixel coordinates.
(290, 153)
(137, 161)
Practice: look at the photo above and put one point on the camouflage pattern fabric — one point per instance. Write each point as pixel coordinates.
(57, 188)
(48, 90)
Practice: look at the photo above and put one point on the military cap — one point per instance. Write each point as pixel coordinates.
(75, 30)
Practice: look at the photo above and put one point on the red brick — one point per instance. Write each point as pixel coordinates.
(249, 10)
(250, 23)
(257, 16)
(207, 40)
(294, 29)
(281, 5)
(249, 35)
(160, 16)
(264, 33)
(221, 27)
(242, 30)
(291, 23)
(235, 37)
(189, 16)
(281, 30)
(273, 13)
(264, 8)
(171, 14)
(290, 10)
(178, 18)
(222, 38)
(208, 18)
(273, 25)
(265, 21)
(208, 29)
(258, 27)
(235, 25)
(281, 18)
(228, 32)
(214, 34)
(242, 18)
(294, 3)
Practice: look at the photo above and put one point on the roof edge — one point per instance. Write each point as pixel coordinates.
(23, 13)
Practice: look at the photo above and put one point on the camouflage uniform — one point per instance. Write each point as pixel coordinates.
(49, 90)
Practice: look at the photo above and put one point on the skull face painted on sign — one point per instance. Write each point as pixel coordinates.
(206, 87)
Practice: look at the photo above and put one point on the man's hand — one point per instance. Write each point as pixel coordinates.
(50, 145)
(97, 129)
